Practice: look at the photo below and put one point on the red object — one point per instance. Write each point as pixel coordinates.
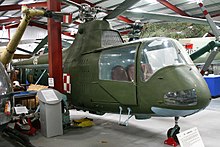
(66, 83)
(205, 12)
(173, 7)
(10, 19)
(55, 48)
(202, 72)
(189, 46)
(125, 19)
(67, 18)
(200, 4)
(30, 132)
(68, 34)
(7, 108)
(170, 141)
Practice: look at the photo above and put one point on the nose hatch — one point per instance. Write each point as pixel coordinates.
(183, 88)
(187, 97)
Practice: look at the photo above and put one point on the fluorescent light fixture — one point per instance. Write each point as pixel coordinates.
(152, 1)
(194, 1)
(137, 10)
(3, 17)
(26, 2)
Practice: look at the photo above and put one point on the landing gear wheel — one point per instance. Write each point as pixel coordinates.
(172, 132)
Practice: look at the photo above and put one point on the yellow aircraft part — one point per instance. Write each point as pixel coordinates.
(32, 12)
(8, 53)
(84, 122)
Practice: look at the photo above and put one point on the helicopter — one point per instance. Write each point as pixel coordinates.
(149, 77)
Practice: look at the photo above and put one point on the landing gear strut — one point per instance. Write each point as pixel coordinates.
(171, 134)
(125, 123)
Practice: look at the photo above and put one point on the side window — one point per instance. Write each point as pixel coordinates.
(146, 68)
(118, 63)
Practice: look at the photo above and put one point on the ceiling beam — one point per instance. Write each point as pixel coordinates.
(1, 1)
(9, 26)
(44, 26)
(39, 4)
(208, 6)
(83, 1)
(17, 6)
(212, 14)
(173, 7)
(9, 19)
(9, 7)
(125, 19)
(215, 15)
(125, 32)
(39, 25)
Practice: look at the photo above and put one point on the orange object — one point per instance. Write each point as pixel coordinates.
(8, 108)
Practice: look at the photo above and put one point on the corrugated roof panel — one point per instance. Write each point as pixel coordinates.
(110, 3)
(9, 2)
(13, 13)
(69, 9)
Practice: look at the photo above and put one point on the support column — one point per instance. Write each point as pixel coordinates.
(55, 47)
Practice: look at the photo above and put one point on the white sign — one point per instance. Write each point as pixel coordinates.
(190, 138)
(49, 95)
(21, 110)
(51, 82)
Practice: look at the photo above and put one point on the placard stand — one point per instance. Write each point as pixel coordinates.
(190, 138)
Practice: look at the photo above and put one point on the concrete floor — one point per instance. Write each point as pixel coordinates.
(144, 133)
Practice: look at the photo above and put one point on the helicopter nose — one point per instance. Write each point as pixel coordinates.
(182, 89)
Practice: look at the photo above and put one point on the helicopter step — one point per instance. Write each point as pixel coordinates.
(125, 123)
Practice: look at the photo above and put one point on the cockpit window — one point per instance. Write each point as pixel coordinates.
(158, 53)
(118, 64)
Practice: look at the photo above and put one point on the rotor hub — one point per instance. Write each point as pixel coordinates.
(87, 13)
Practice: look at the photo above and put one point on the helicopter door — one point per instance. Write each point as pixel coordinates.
(117, 73)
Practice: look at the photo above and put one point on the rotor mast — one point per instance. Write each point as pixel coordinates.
(8, 53)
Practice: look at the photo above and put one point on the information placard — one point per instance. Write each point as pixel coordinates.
(49, 95)
(190, 138)
(21, 110)
(51, 82)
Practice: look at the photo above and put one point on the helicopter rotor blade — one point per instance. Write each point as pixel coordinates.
(24, 50)
(216, 32)
(166, 17)
(121, 8)
(40, 45)
(212, 25)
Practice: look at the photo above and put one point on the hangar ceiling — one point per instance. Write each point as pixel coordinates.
(10, 11)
